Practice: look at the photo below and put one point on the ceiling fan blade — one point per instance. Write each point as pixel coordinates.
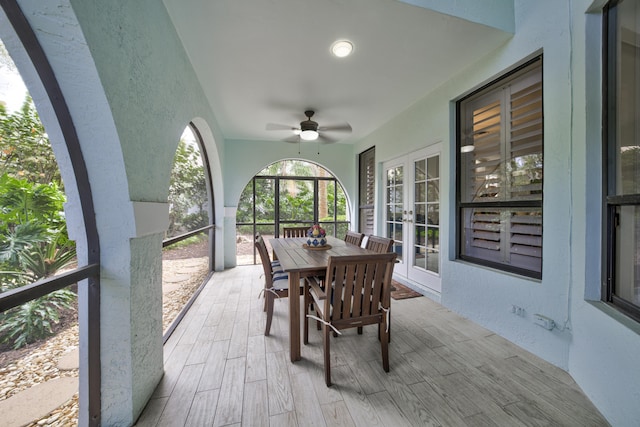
(277, 126)
(344, 127)
(293, 139)
(326, 140)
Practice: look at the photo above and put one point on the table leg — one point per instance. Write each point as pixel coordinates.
(294, 316)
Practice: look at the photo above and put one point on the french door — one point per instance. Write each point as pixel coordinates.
(412, 215)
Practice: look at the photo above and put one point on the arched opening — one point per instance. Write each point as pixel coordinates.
(79, 216)
(289, 193)
(188, 250)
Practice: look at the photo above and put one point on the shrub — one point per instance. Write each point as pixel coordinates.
(34, 319)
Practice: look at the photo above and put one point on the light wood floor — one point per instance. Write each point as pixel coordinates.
(445, 371)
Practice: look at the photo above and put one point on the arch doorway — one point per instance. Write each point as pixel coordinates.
(289, 193)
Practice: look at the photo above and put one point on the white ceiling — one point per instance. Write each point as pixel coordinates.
(266, 61)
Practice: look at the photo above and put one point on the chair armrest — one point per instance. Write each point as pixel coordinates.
(315, 288)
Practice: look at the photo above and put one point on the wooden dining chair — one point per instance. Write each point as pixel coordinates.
(276, 282)
(379, 244)
(295, 231)
(358, 293)
(353, 238)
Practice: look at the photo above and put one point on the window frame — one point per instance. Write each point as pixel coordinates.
(366, 189)
(509, 203)
(611, 201)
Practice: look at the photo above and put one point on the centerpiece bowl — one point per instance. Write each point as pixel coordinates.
(316, 237)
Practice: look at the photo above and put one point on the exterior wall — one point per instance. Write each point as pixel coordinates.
(592, 342)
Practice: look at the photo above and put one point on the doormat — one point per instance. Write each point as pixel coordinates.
(402, 292)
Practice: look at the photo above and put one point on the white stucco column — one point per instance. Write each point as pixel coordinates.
(230, 258)
(131, 311)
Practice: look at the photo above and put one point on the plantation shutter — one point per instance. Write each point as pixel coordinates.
(367, 190)
(501, 181)
(486, 173)
(486, 229)
(526, 140)
(526, 173)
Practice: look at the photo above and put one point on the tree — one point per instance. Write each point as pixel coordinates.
(25, 150)
(187, 191)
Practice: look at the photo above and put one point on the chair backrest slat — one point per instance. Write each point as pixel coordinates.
(359, 283)
(379, 244)
(353, 238)
(266, 262)
(294, 231)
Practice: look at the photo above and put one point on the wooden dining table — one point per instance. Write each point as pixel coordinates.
(300, 261)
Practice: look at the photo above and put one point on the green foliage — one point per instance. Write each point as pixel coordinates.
(22, 201)
(33, 245)
(193, 240)
(19, 239)
(296, 199)
(33, 238)
(34, 319)
(25, 150)
(187, 191)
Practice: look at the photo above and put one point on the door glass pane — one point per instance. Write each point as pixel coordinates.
(399, 175)
(398, 193)
(420, 214)
(398, 231)
(433, 261)
(419, 257)
(433, 238)
(419, 170)
(420, 189)
(394, 205)
(433, 216)
(433, 191)
(390, 227)
(433, 167)
(420, 236)
(397, 209)
(397, 248)
(432, 243)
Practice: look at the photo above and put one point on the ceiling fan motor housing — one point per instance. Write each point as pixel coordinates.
(308, 125)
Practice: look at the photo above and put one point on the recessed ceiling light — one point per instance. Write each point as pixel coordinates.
(342, 48)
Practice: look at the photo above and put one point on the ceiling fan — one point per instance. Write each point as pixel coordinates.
(309, 130)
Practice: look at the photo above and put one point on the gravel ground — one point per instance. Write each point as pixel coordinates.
(38, 362)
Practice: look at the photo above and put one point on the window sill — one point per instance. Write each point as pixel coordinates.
(495, 270)
(616, 315)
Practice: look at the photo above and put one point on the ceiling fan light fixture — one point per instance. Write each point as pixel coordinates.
(342, 48)
(309, 135)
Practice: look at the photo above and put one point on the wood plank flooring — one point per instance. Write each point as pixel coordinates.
(220, 370)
